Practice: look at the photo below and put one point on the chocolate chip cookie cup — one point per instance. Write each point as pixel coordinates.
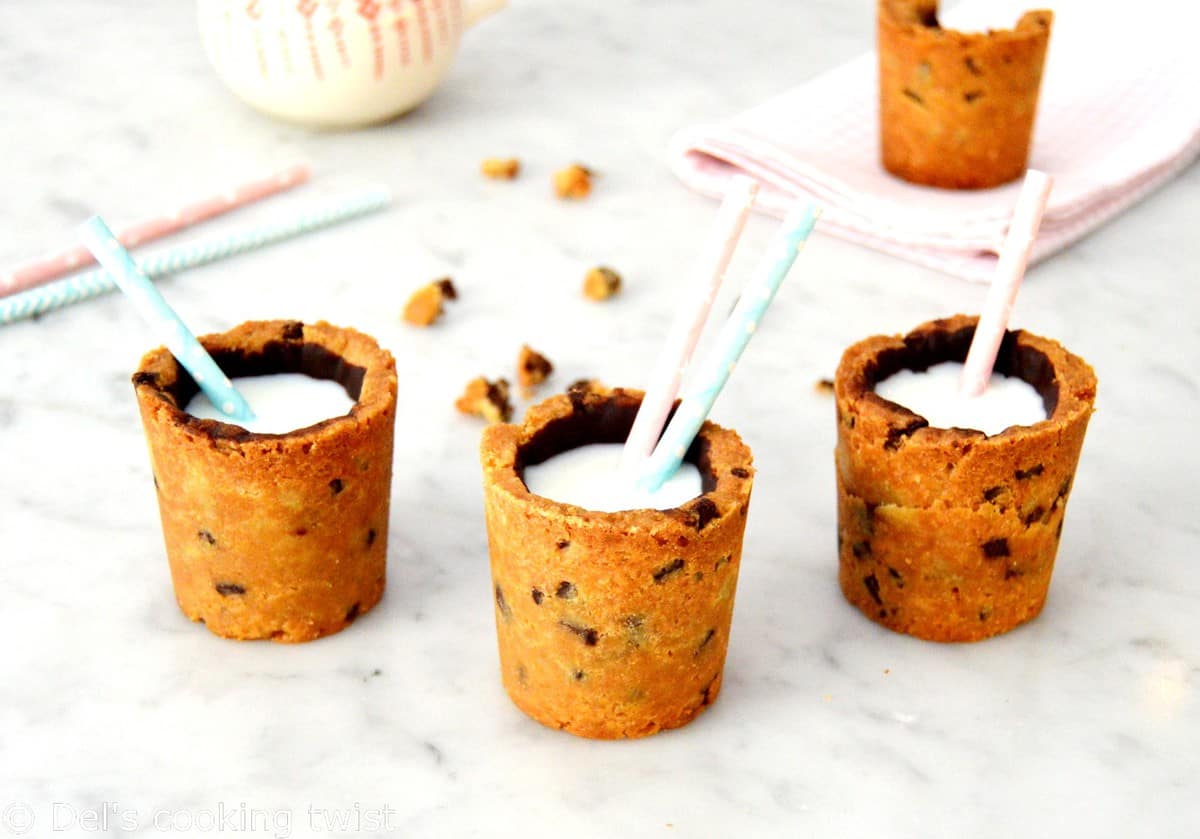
(611, 625)
(279, 536)
(956, 109)
(949, 534)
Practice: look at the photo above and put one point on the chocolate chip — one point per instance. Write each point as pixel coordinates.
(336, 486)
(860, 549)
(896, 434)
(370, 537)
(1032, 472)
(207, 537)
(895, 575)
(705, 510)
(562, 544)
(739, 472)
(446, 286)
(971, 95)
(589, 635)
(226, 589)
(578, 674)
(1012, 573)
(996, 548)
(143, 378)
(537, 596)
(1064, 488)
(566, 591)
(352, 612)
(501, 604)
(985, 613)
(704, 642)
(1035, 515)
(914, 96)
(972, 67)
(293, 330)
(667, 570)
(872, 584)
(992, 493)
(301, 531)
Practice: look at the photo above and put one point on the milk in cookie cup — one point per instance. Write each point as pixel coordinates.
(611, 624)
(275, 535)
(950, 534)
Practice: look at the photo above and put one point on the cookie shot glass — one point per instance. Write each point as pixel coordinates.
(611, 624)
(275, 534)
(950, 533)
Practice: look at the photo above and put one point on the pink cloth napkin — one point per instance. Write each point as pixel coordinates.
(1119, 116)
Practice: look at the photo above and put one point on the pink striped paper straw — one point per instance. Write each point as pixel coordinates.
(689, 323)
(1002, 294)
(56, 265)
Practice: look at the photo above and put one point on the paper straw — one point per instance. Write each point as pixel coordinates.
(168, 326)
(56, 265)
(708, 272)
(89, 284)
(735, 334)
(1006, 282)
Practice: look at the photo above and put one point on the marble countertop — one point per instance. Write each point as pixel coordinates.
(1085, 722)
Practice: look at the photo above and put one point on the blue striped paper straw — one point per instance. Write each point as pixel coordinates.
(171, 329)
(735, 334)
(90, 284)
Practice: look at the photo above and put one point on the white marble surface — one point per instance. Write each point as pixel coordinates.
(1084, 723)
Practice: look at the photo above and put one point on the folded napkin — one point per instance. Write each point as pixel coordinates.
(1119, 115)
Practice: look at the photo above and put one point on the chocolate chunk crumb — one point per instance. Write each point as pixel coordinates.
(538, 596)
(352, 612)
(293, 330)
(996, 548)
(500, 168)
(705, 511)
(601, 283)
(486, 399)
(226, 589)
(532, 369)
(667, 570)
(502, 604)
(589, 635)
(992, 493)
(574, 182)
(1035, 515)
(872, 584)
(566, 591)
(739, 472)
(207, 537)
(425, 305)
(336, 485)
(1032, 472)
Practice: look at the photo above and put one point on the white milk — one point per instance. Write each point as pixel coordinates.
(281, 402)
(934, 395)
(591, 477)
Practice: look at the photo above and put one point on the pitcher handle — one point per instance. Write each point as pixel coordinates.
(476, 10)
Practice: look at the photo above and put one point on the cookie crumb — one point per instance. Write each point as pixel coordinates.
(532, 369)
(500, 168)
(601, 283)
(425, 305)
(573, 182)
(486, 399)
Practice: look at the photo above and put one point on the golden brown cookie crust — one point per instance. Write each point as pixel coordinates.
(957, 109)
(951, 534)
(611, 624)
(280, 536)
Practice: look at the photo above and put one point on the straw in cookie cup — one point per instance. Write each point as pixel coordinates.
(950, 534)
(611, 625)
(279, 536)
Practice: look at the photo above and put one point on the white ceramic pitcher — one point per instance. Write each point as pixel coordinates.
(335, 63)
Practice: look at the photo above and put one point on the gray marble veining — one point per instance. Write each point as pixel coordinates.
(1082, 723)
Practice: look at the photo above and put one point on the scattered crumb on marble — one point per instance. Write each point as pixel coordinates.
(486, 399)
(573, 182)
(500, 168)
(425, 305)
(601, 283)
